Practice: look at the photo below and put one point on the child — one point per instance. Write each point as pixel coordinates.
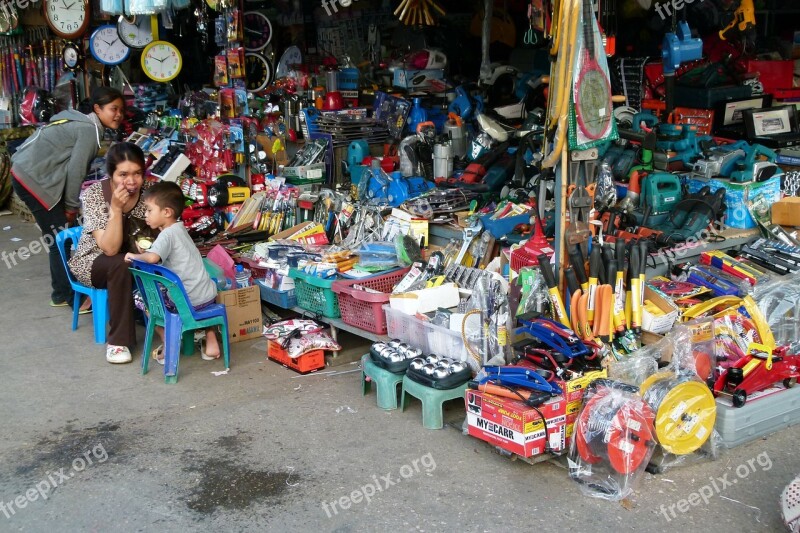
(164, 204)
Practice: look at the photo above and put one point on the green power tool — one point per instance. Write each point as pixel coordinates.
(661, 192)
(749, 169)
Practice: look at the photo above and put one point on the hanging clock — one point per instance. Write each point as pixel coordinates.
(71, 57)
(257, 31)
(67, 20)
(137, 32)
(106, 46)
(258, 72)
(161, 61)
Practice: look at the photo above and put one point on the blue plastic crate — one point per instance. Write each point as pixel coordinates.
(283, 299)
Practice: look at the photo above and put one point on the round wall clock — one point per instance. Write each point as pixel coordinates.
(106, 46)
(258, 72)
(136, 33)
(71, 57)
(257, 31)
(68, 20)
(161, 61)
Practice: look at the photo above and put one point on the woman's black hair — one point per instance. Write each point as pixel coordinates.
(123, 152)
(105, 95)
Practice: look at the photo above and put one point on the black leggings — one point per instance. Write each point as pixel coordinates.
(50, 223)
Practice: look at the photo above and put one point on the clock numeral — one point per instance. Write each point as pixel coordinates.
(55, 17)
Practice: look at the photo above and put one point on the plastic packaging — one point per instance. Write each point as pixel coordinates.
(684, 406)
(613, 440)
(534, 292)
(487, 338)
(779, 301)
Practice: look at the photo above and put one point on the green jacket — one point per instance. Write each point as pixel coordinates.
(53, 162)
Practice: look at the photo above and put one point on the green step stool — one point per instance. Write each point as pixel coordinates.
(432, 400)
(386, 381)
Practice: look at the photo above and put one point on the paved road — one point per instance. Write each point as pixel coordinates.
(87, 446)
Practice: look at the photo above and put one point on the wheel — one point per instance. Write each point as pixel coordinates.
(789, 382)
(739, 398)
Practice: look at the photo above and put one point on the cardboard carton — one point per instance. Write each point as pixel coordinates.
(243, 307)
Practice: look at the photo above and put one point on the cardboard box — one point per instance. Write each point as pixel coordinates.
(513, 426)
(315, 171)
(658, 323)
(573, 389)
(243, 307)
(786, 212)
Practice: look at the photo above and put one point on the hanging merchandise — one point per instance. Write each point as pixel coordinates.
(136, 31)
(68, 21)
(592, 117)
(71, 57)
(106, 46)
(257, 31)
(259, 72)
(161, 61)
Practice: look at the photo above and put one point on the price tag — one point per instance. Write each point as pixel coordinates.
(5, 103)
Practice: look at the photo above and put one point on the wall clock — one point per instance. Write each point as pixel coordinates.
(258, 72)
(136, 33)
(257, 31)
(161, 61)
(106, 46)
(71, 57)
(68, 19)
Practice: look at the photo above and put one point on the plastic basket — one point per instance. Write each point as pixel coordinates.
(284, 299)
(315, 294)
(308, 362)
(428, 337)
(364, 309)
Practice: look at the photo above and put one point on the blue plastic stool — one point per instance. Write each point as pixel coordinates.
(386, 382)
(432, 401)
(99, 296)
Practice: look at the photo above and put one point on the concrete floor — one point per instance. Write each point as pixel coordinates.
(263, 448)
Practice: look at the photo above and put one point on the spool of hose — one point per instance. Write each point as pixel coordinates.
(616, 426)
(685, 411)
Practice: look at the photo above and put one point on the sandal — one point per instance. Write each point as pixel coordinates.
(158, 351)
(203, 354)
(790, 505)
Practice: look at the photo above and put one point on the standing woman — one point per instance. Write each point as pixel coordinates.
(113, 211)
(49, 168)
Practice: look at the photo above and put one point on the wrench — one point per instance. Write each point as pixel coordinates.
(470, 233)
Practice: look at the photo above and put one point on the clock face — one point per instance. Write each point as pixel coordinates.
(71, 56)
(67, 18)
(257, 31)
(106, 46)
(258, 72)
(136, 34)
(161, 61)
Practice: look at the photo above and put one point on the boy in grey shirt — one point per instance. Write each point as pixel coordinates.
(175, 250)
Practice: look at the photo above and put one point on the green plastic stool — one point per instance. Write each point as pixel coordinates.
(386, 381)
(432, 400)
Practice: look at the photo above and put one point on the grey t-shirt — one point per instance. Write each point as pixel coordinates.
(179, 254)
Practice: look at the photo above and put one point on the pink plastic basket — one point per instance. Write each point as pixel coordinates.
(363, 308)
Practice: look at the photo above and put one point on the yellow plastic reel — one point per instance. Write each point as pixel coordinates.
(685, 415)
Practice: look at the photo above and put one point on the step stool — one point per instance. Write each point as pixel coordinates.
(432, 400)
(386, 382)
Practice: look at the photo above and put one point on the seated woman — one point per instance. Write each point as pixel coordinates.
(111, 210)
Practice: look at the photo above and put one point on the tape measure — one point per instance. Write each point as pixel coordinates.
(685, 411)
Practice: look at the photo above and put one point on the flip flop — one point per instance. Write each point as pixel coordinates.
(59, 304)
(790, 505)
(203, 354)
(159, 350)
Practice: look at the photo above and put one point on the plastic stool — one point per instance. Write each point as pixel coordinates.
(432, 400)
(386, 381)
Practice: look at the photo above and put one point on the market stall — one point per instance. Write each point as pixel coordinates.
(591, 250)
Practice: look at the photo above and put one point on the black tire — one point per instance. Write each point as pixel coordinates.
(739, 398)
(789, 382)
